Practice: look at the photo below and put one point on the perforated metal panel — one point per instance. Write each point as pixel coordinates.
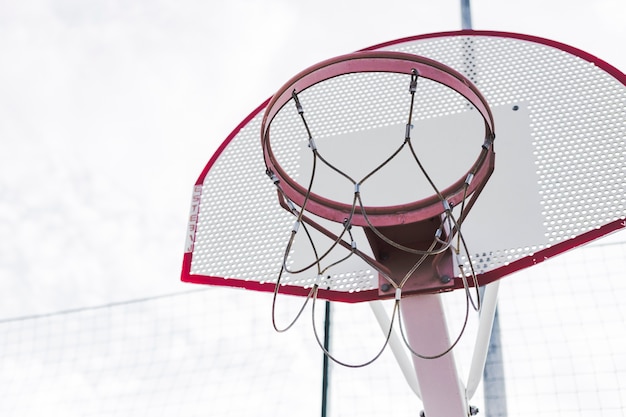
(577, 120)
(559, 181)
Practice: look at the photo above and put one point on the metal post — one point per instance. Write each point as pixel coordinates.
(466, 14)
(493, 372)
(397, 347)
(493, 376)
(489, 300)
(443, 394)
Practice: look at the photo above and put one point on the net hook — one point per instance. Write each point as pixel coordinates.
(294, 95)
(413, 86)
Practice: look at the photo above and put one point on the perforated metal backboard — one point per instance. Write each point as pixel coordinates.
(559, 179)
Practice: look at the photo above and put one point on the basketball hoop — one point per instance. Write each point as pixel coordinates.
(412, 242)
(401, 236)
(380, 61)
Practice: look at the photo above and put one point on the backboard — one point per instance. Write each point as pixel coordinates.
(559, 179)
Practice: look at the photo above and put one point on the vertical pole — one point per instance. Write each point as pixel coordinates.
(493, 376)
(443, 394)
(326, 361)
(494, 384)
(493, 373)
(466, 15)
(488, 304)
(397, 347)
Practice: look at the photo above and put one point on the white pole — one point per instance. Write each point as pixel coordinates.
(443, 393)
(489, 303)
(466, 15)
(397, 347)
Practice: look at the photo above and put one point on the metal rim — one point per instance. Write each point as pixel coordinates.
(381, 61)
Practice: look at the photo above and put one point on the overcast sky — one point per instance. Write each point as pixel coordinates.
(110, 109)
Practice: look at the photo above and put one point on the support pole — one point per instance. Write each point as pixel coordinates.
(397, 347)
(489, 297)
(492, 368)
(493, 377)
(426, 328)
(466, 15)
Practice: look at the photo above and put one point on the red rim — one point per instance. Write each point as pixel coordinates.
(380, 61)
